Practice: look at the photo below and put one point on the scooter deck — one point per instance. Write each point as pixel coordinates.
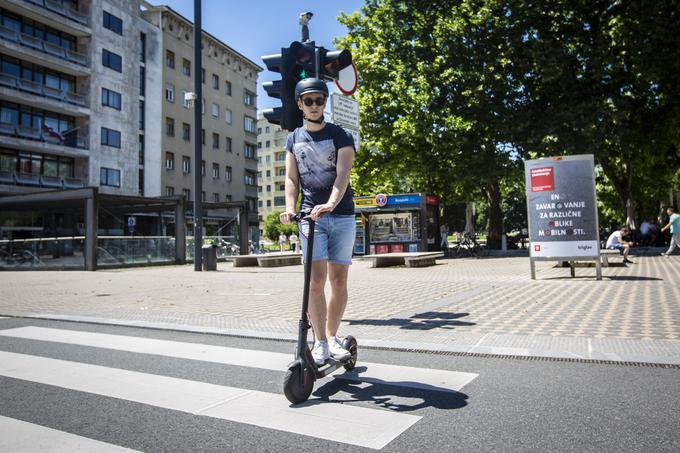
(328, 367)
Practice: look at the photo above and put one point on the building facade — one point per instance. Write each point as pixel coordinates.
(271, 175)
(92, 94)
(70, 94)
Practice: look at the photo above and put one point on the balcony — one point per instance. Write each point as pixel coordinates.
(38, 89)
(45, 47)
(68, 139)
(59, 9)
(35, 180)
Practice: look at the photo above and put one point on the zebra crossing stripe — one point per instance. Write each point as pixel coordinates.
(26, 437)
(370, 428)
(421, 378)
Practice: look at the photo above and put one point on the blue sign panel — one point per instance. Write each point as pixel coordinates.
(403, 199)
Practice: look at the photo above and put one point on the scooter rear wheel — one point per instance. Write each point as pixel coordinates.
(350, 344)
(298, 383)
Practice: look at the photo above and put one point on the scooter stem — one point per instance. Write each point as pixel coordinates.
(304, 320)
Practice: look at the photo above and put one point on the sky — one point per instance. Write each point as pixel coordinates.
(262, 27)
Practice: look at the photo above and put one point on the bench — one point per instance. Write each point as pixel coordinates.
(287, 259)
(410, 259)
(606, 253)
(244, 260)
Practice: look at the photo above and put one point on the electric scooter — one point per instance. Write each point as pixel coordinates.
(303, 371)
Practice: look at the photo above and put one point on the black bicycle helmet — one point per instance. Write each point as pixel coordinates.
(310, 85)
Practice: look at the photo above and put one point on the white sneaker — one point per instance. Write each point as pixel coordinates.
(336, 350)
(320, 352)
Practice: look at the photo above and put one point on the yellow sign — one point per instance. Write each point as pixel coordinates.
(364, 201)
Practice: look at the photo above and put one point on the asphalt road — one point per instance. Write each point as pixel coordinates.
(503, 404)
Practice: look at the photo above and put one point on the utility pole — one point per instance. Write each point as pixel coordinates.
(198, 142)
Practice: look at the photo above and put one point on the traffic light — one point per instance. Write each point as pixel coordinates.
(294, 63)
(332, 62)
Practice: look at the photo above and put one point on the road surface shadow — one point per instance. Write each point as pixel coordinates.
(389, 395)
(421, 321)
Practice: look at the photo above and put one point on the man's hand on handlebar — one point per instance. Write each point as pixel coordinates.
(320, 210)
(286, 217)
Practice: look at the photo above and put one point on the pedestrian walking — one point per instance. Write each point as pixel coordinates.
(318, 162)
(293, 239)
(674, 226)
(282, 241)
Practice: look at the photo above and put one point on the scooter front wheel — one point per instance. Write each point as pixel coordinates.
(350, 344)
(298, 383)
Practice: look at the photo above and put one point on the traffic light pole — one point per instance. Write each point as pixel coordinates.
(198, 142)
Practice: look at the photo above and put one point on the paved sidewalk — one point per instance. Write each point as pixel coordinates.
(464, 305)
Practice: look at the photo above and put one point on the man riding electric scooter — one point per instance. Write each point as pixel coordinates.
(318, 161)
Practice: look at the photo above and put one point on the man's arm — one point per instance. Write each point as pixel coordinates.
(343, 169)
(292, 187)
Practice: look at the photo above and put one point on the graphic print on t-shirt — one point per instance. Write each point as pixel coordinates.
(316, 163)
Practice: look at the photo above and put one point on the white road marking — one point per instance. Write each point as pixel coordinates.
(421, 378)
(371, 428)
(4, 317)
(24, 437)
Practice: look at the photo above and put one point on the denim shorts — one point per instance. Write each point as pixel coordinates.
(333, 238)
(616, 247)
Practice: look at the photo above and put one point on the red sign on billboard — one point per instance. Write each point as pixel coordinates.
(431, 199)
(542, 179)
(396, 248)
(382, 248)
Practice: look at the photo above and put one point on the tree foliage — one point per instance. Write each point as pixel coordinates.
(454, 93)
(273, 227)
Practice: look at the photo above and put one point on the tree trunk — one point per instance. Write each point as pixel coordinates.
(469, 218)
(493, 196)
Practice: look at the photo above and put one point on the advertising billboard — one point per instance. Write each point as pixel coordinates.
(561, 207)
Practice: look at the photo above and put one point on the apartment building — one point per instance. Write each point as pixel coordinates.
(72, 94)
(271, 160)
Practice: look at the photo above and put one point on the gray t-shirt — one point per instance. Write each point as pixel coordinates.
(316, 154)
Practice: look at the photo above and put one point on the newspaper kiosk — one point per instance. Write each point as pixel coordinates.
(396, 223)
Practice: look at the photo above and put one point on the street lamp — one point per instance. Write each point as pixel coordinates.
(195, 98)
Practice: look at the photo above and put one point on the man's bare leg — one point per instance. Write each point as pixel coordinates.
(337, 274)
(317, 299)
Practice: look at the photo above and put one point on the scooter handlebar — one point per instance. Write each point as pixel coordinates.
(302, 215)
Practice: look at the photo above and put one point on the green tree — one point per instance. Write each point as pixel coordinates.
(273, 227)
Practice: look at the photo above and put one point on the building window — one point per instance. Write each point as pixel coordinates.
(279, 201)
(113, 23)
(169, 161)
(203, 137)
(112, 60)
(249, 151)
(170, 92)
(169, 191)
(249, 124)
(110, 137)
(227, 116)
(216, 81)
(281, 172)
(186, 67)
(216, 171)
(259, 145)
(227, 174)
(216, 197)
(170, 59)
(266, 129)
(140, 149)
(227, 144)
(215, 110)
(109, 177)
(185, 103)
(169, 127)
(142, 80)
(269, 173)
(249, 98)
(142, 52)
(186, 193)
(249, 178)
(227, 88)
(111, 99)
(269, 203)
(269, 188)
(186, 164)
(282, 187)
(186, 132)
(268, 144)
(215, 141)
(202, 75)
(202, 168)
(141, 115)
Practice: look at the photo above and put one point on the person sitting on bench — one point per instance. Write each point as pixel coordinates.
(616, 242)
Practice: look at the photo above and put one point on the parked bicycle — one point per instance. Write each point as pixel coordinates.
(467, 247)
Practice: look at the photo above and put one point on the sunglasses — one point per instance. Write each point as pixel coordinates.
(318, 101)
